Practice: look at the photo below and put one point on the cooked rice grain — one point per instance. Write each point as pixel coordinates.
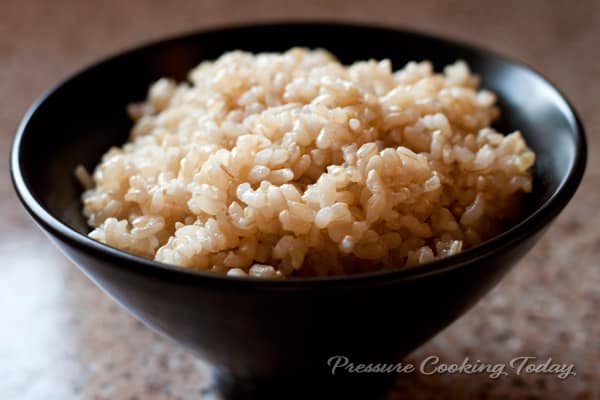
(273, 165)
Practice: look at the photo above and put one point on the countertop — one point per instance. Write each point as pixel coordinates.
(62, 338)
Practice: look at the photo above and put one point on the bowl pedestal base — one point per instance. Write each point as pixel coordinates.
(347, 386)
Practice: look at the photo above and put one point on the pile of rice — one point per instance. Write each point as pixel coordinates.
(275, 165)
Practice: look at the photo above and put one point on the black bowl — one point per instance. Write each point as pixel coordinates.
(266, 336)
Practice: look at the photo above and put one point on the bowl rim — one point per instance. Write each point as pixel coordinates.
(530, 225)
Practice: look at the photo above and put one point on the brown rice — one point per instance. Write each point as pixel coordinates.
(292, 164)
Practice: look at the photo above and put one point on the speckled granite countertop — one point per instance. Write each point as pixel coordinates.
(61, 338)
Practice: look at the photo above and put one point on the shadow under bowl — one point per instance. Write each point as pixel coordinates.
(268, 337)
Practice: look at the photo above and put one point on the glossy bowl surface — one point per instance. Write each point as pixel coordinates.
(259, 332)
